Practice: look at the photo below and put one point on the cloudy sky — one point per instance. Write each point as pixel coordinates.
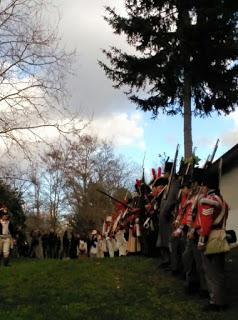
(133, 132)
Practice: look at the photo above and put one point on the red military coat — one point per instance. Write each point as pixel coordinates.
(187, 216)
(209, 209)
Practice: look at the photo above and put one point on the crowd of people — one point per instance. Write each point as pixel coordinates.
(50, 245)
(178, 217)
(72, 245)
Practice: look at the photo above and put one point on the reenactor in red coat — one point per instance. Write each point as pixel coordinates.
(178, 241)
(166, 213)
(212, 214)
(192, 257)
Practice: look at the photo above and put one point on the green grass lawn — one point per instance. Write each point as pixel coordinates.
(130, 288)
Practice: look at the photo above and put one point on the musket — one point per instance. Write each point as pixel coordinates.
(189, 164)
(206, 162)
(220, 171)
(186, 172)
(210, 158)
(114, 199)
(214, 151)
(143, 171)
(172, 172)
(195, 202)
(152, 202)
(143, 163)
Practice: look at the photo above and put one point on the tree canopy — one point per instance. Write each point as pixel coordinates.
(185, 54)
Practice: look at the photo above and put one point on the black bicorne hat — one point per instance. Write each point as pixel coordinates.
(182, 168)
(186, 181)
(210, 180)
(168, 167)
(160, 182)
(198, 175)
(185, 169)
(145, 189)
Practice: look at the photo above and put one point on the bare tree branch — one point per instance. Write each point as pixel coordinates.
(32, 72)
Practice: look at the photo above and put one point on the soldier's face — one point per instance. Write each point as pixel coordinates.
(5, 217)
(205, 189)
(186, 190)
(153, 191)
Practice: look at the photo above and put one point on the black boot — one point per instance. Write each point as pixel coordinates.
(6, 262)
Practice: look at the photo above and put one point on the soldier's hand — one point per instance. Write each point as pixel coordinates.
(177, 233)
(190, 235)
(176, 224)
(201, 246)
(148, 207)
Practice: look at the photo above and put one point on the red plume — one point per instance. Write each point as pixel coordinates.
(153, 173)
(138, 183)
(159, 172)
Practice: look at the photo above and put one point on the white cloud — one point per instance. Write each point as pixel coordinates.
(120, 128)
(234, 116)
(84, 29)
(230, 138)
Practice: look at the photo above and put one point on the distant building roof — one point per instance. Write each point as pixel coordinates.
(229, 160)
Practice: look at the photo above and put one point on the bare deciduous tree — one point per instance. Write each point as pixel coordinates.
(63, 183)
(55, 162)
(93, 165)
(32, 71)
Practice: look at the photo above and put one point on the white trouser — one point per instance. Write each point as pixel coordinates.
(5, 246)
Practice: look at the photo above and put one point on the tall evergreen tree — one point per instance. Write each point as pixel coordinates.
(185, 60)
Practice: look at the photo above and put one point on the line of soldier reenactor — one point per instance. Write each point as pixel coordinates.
(173, 216)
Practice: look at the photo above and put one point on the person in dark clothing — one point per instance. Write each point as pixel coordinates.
(22, 244)
(66, 243)
(35, 248)
(44, 241)
(167, 206)
(89, 244)
(58, 246)
(51, 244)
(73, 246)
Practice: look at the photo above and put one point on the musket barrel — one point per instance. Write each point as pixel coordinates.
(172, 172)
(118, 201)
(210, 158)
(214, 151)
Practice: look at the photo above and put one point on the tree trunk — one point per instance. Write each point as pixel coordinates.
(187, 119)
